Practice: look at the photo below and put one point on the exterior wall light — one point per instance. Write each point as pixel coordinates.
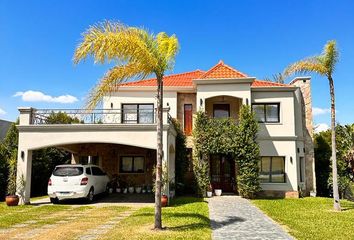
(201, 102)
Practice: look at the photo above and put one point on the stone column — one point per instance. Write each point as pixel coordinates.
(304, 84)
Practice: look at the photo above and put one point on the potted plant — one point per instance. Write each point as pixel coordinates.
(144, 189)
(164, 200)
(138, 189)
(12, 199)
(210, 191)
(218, 192)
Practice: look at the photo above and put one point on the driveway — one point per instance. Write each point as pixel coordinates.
(130, 200)
(232, 217)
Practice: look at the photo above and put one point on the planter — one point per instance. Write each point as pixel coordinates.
(209, 194)
(131, 189)
(138, 189)
(110, 190)
(118, 190)
(144, 191)
(164, 200)
(218, 192)
(12, 200)
(125, 190)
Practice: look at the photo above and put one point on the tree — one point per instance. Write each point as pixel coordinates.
(138, 54)
(324, 65)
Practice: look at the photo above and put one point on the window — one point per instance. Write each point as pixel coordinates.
(88, 171)
(131, 165)
(272, 170)
(97, 171)
(302, 169)
(188, 119)
(68, 171)
(267, 112)
(221, 110)
(138, 113)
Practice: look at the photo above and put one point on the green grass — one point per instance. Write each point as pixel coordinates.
(311, 218)
(186, 218)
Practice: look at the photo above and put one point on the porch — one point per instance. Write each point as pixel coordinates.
(125, 150)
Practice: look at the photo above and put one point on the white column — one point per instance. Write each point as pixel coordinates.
(24, 170)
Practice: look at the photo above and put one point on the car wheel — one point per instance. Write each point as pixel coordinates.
(90, 196)
(54, 200)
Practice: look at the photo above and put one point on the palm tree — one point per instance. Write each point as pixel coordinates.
(323, 65)
(137, 54)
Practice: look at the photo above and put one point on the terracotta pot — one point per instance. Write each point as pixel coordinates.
(164, 200)
(12, 200)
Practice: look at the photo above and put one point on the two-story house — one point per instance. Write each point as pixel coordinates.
(121, 137)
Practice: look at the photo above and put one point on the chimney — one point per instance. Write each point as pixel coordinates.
(304, 98)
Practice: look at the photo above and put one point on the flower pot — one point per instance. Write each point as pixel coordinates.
(110, 190)
(218, 192)
(131, 189)
(164, 200)
(209, 194)
(143, 191)
(138, 189)
(125, 190)
(12, 200)
(118, 190)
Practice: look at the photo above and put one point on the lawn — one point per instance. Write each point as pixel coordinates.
(186, 218)
(311, 218)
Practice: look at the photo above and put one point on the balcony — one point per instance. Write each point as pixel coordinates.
(127, 116)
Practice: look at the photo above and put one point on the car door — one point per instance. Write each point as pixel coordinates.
(100, 179)
(96, 179)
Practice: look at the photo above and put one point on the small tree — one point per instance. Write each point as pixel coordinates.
(247, 154)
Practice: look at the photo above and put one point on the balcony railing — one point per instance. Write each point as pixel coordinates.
(32, 116)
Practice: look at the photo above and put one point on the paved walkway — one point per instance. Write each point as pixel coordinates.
(233, 217)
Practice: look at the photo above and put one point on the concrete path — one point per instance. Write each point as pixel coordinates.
(232, 217)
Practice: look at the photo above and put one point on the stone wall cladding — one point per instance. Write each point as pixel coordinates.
(305, 87)
(186, 98)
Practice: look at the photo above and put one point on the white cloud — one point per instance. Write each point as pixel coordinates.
(37, 96)
(321, 127)
(2, 111)
(320, 111)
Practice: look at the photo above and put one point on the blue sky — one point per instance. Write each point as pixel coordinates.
(259, 38)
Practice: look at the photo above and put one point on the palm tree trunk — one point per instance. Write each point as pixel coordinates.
(336, 203)
(159, 123)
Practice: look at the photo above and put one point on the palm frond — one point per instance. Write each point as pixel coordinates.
(114, 41)
(114, 76)
(330, 56)
(306, 66)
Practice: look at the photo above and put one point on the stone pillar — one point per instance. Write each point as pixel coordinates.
(24, 171)
(304, 84)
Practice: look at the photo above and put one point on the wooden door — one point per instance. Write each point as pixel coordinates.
(188, 119)
(222, 172)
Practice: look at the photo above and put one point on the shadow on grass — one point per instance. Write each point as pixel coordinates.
(201, 221)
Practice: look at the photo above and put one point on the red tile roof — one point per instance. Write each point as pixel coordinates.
(220, 70)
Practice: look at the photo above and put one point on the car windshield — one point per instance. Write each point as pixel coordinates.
(68, 171)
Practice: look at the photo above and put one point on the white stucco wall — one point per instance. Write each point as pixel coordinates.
(241, 90)
(286, 126)
(285, 149)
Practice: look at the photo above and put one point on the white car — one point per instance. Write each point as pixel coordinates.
(77, 181)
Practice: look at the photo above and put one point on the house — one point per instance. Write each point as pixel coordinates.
(121, 137)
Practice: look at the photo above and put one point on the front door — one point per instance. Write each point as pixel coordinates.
(222, 171)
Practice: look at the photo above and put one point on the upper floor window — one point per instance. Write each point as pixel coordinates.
(267, 112)
(221, 110)
(138, 113)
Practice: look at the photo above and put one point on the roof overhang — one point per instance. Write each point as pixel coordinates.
(154, 88)
(249, 80)
(274, 89)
